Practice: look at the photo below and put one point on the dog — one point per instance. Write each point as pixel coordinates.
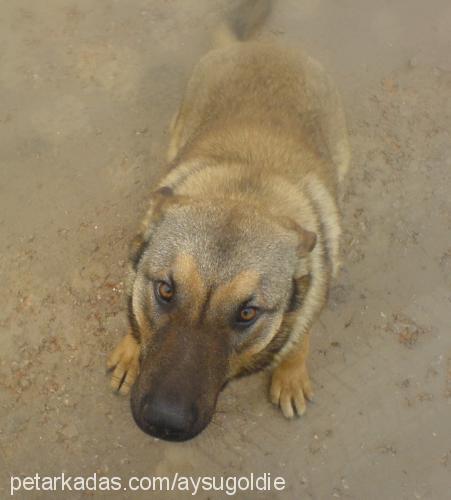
(235, 256)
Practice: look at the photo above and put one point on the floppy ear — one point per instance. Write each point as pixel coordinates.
(157, 199)
(137, 247)
(306, 238)
(140, 241)
(162, 198)
(307, 241)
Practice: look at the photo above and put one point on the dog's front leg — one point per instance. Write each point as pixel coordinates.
(290, 383)
(125, 362)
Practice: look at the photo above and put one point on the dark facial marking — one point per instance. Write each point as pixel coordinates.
(137, 248)
(132, 318)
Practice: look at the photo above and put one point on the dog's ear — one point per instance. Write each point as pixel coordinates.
(161, 199)
(164, 192)
(307, 241)
(137, 247)
(158, 199)
(306, 238)
(140, 241)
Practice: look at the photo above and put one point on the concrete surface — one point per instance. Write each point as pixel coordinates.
(87, 91)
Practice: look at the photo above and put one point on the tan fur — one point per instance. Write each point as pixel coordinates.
(186, 271)
(239, 289)
(125, 362)
(261, 133)
(137, 292)
(290, 383)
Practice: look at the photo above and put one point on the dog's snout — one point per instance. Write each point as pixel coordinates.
(175, 395)
(169, 418)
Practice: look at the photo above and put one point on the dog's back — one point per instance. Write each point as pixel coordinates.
(273, 107)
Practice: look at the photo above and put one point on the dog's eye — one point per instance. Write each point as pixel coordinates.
(247, 315)
(164, 291)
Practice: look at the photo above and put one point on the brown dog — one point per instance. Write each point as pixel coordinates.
(235, 256)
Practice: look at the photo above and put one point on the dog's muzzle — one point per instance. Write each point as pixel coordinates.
(175, 395)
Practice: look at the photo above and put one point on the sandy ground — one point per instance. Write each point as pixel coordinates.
(87, 91)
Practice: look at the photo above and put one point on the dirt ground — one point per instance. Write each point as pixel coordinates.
(87, 91)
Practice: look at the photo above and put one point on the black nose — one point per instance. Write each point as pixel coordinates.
(168, 418)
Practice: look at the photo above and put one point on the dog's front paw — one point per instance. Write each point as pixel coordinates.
(125, 362)
(290, 387)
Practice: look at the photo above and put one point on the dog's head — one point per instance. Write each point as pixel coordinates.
(211, 285)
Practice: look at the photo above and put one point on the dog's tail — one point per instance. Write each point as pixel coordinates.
(243, 22)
